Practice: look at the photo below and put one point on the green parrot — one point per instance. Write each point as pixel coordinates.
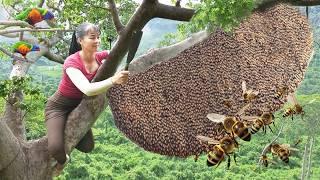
(24, 48)
(35, 15)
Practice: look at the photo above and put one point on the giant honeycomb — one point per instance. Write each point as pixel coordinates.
(164, 108)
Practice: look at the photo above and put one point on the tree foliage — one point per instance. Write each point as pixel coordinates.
(211, 15)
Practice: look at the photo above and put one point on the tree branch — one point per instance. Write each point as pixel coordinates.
(54, 57)
(54, 40)
(92, 106)
(16, 23)
(9, 144)
(10, 35)
(115, 17)
(161, 54)
(310, 157)
(34, 30)
(142, 15)
(174, 13)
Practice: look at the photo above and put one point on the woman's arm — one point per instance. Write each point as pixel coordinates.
(91, 89)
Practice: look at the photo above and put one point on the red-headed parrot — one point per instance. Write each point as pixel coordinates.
(35, 15)
(24, 48)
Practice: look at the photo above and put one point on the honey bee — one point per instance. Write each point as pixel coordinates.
(259, 122)
(248, 95)
(283, 151)
(289, 112)
(296, 109)
(232, 124)
(220, 149)
(280, 93)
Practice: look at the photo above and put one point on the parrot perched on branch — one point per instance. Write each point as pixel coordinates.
(24, 48)
(35, 15)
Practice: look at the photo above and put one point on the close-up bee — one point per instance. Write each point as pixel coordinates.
(232, 124)
(220, 149)
(259, 122)
(248, 95)
(295, 108)
(283, 151)
(280, 93)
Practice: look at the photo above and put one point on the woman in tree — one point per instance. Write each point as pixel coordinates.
(78, 70)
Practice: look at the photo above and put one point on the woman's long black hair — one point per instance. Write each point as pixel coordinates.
(74, 45)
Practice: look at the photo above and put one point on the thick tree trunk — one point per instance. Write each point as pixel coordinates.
(20, 159)
(12, 158)
(13, 115)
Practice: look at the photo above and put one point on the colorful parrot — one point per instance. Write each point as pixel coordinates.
(24, 48)
(35, 15)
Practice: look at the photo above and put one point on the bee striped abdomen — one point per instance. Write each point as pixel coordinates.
(215, 156)
(288, 112)
(257, 125)
(242, 131)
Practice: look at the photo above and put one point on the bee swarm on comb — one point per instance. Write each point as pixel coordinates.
(163, 108)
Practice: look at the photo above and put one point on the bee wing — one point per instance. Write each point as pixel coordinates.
(243, 109)
(244, 86)
(218, 118)
(207, 139)
(292, 99)
(249, 118)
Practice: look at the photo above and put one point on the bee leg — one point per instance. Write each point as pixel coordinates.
(234, 158)
(236, 142)
(266, 163)
(264, 129)
(234, 139)
(196, 157)
(292, 117)
(270, 128)
(219, 163)
(228, 166)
